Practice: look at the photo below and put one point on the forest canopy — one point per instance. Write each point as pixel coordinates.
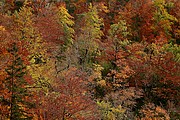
(89, 59)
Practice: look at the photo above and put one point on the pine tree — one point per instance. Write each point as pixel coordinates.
(16, 87)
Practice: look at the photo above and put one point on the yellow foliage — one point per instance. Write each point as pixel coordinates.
(93, 23)
(96, 72)
(102, 82)
(66, 22)
(26, 31)
(161, 16)
(38, 57)
(2, 28)
(110, 112)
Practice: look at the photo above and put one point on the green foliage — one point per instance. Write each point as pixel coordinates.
(119, 28)
(175, 49)
(16, 86)
(109, 112)
(161, 16)
(118, 36)
(93, 23)
(89, 39)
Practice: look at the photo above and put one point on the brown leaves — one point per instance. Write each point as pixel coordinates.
(70, 98)
(152, 112)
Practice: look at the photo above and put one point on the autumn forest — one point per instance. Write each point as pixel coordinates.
(89, 60)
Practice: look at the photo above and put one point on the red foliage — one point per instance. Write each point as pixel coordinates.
(70, 99)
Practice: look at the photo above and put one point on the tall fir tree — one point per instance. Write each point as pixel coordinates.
(18, 95)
